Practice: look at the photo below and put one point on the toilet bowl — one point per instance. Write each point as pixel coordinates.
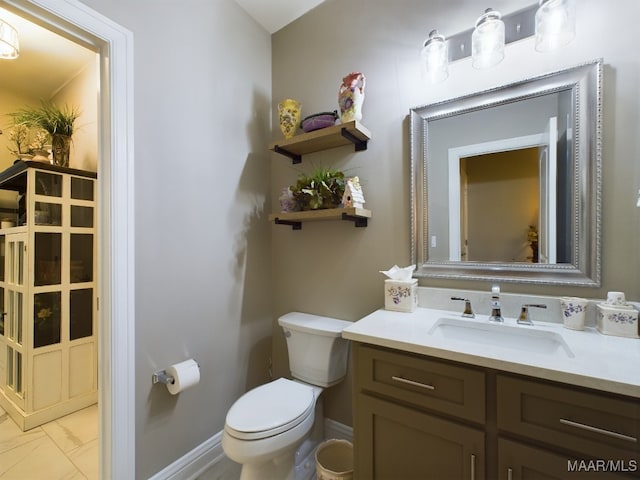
(268, 429)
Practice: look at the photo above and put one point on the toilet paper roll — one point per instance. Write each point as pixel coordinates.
(185, 374)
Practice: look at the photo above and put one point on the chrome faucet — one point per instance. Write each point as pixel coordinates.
(468, 311)
(524, 318)
(496, 314)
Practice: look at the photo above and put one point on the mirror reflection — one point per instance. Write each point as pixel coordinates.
(508, 189)
(506, 182)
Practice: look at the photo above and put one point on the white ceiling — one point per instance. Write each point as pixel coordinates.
(275, 14)
(46, 63)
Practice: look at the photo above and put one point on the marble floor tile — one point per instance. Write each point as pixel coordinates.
(64, 449)
(74, 430)
(38, 459)
(85, 458)
(12, 437)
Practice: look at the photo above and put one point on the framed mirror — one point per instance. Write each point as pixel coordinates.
(506, 183)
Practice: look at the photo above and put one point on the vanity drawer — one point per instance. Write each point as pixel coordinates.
(597, 425)
(420, 381)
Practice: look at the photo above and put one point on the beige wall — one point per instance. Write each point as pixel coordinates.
(82, 91)
(332, 268)
(201, 123)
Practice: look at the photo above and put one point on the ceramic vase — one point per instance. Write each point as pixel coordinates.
(41, 156)
(289, 116)
(351, 97)
(574, 311)
(60, 147)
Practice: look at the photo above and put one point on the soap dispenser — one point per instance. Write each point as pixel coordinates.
(496, 314)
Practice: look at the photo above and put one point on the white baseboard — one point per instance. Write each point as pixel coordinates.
(333, 429)
(208, 462)
(191, 465)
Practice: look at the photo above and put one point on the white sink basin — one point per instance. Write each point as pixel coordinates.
(521, 338)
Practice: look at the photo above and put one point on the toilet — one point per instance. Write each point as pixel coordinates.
(272, 430)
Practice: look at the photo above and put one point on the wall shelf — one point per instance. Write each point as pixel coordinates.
(351, 133)
(294, 219)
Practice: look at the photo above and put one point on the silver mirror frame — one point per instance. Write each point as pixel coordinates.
(585, 83)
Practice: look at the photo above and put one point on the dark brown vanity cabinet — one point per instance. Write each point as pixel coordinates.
(586, 434)
(418, 417)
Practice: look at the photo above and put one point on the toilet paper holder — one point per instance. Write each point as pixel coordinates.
(161, 377)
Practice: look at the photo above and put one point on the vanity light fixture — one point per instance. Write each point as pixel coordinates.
(487, 40)
(552, 22)
(435, 57)
(555, 24)
(9, 46)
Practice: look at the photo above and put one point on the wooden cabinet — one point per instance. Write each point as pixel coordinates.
(423, 382)
(598, 433)
(48, 332)
(517, 461)
(410, 417)
(399, 442)
(422, 417)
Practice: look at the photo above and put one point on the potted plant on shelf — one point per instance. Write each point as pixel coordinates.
(321, 189)
(57, 122)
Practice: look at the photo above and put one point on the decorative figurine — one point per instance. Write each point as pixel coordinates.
(351, 97)
(353, 196)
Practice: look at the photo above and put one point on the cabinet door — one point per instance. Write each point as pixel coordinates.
(394, 442)
(13, 306)
(594, 424)
(522, 462)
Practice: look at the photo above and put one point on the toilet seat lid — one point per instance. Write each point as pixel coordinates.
(270, 409)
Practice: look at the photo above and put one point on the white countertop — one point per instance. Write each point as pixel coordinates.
(600, 361)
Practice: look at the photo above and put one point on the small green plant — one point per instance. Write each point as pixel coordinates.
(323, 188)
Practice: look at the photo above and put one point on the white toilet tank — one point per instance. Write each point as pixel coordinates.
(317, 352)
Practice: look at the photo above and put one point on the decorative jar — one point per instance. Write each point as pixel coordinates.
(289, 116)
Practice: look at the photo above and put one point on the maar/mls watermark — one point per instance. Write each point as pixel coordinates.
(602, 465)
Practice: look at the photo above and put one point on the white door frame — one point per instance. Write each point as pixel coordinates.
(115, 220)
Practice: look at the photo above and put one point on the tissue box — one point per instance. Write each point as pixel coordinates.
(619, 321)
(401, 295)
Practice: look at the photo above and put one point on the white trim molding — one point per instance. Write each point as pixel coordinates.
(207, 461)
(115, 219)
(206, 457)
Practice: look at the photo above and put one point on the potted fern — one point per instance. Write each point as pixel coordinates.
(57, 122)
(321, 189)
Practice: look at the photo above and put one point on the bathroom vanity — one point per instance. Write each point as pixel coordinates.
(429, 402)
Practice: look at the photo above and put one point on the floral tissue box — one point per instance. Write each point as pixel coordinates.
(401, 295)
(621, 321)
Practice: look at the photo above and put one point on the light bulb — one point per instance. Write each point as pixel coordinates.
(435, 57)
(487, 40)
(555, 24)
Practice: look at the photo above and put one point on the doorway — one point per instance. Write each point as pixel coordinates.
(115, 218)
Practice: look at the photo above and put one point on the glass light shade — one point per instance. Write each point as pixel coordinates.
(435, 57)
(487, 40)
(9, 46)
(555, 24)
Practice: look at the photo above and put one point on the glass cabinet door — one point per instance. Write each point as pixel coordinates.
(48, 256)
(13, 310)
